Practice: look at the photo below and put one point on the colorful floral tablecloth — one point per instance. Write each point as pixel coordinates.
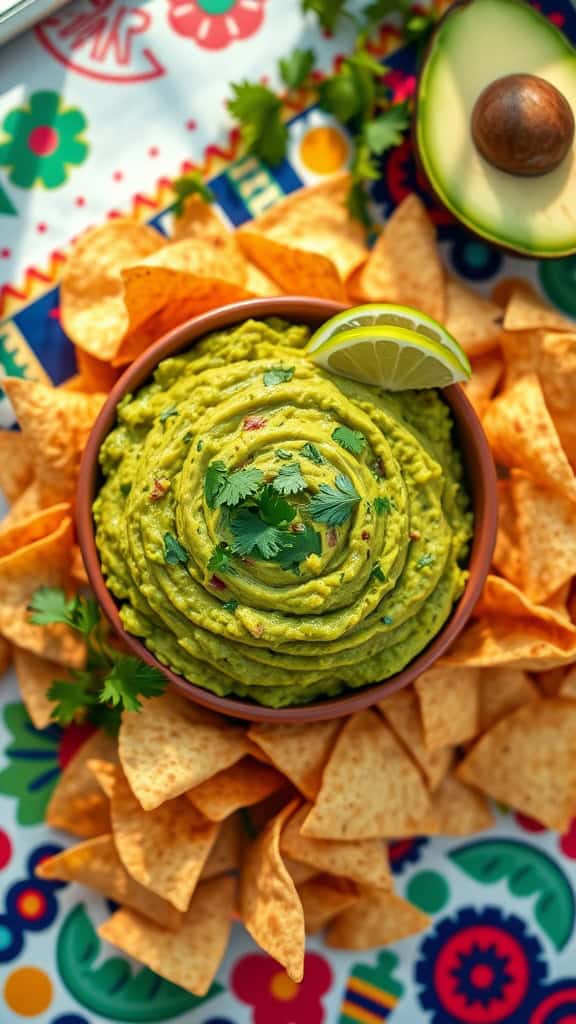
(100, 106)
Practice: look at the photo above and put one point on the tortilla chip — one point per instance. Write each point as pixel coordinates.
(245, 783)
(198, 295)
(529, 643)
(270, 905)
(557, 368)
(35, 677)
(299, 873)
(565, 425)
(474, 321)
(500, 597)
(527, 310)
(568, 687)
(29, 502)
(164, 850)
(16, 468)
(527, 762)
(5, 655)
(40, 547)
(507, 558)
(558, 601)
(299, 752)
(501, 691)
(379, 919)
(486, 373)
(461, 810)
(77, 567)
(260, 283)
(201, 222)
(78, 804)
(171, 746)
(74, 383)
(191, 957)
(364, 861)
(322, 900)
(402, 712)
(404, 265)
(354, 293)
(521, 351)
(226, 854)
(550, 683)
(545, 527)
(522, 434)
(92, 310)
(316, 219)
(349, 805)
(56, 424)
(96, 376)
(295, 271)
(448, 705)
(95, 863)
(105, 774)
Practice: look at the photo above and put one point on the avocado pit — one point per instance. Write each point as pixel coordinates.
(523, 125)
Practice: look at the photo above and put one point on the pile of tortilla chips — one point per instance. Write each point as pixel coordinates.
(191, 820)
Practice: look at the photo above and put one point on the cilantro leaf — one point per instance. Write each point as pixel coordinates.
(339, 95)
(387, 129)
(238, 486)
(174, 553)
(383, 505)
(125, 489)
(334, 505)
(282, 453)
(387, 620)
(50, 604)
(231, 605)
(377, 573)
(290, 480)
(259, 112)
(129, 680)
(221, 561)
(70, 698)
(167, 413)
(87, 614)
(214, 482)
(278, 375)
(274, 509)
(191, 184)
(357, 204)
(351, 440)
(301, 544)
(254, 536)
(295, 68)
(310, 451)
(328, 12)
(424, 560)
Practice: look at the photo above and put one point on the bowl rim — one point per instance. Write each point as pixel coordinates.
(299, 309)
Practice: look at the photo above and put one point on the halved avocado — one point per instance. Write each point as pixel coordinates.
(506, 42)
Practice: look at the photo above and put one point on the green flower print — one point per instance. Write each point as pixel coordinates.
(42, 141)
(33, 765)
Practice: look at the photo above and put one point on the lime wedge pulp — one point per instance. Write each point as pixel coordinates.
(389, 346)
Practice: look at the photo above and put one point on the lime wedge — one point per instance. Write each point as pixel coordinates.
(392, 347)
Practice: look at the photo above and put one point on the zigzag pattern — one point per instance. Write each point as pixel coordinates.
(36, 281)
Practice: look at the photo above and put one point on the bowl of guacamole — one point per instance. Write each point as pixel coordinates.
(283, 542)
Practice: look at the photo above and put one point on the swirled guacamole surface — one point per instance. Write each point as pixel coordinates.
(275, 532)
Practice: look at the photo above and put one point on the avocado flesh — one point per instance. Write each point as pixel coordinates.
(475, 44)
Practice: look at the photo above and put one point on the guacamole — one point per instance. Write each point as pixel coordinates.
(276, 532)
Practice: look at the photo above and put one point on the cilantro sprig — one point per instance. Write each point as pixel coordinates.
(351, 440)
(334, 505)
(191, 184)
(111, 683)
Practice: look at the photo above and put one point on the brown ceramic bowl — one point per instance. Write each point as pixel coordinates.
(481, 481)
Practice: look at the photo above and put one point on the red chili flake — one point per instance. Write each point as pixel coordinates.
(415, 535)
(217, 583)
(379, 468)
(159, 489)
(297, 528)
(365, 535)
(332, 537)
(254, 423)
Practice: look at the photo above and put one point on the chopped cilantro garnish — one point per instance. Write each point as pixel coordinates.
(214, 482)
(221, 561)
(383, 505)
(200, 445)
(191, 184)
(298, 546)
(125, 489)
(282, 453)
(259, 113)
(231, 605)
(278, 375)
(274, 509)
(424, 560)
(290, 480)
(238, 486)
(187, 437)
(167, 413)
(334, 505)
(174, 553)
(377, 573)
(252, 535)
(387, 620)
(295, 69)
(310, 451)
(351, 440)
(128, 680)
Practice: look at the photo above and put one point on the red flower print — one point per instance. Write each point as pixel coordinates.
(215, 24)
(261, 983)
